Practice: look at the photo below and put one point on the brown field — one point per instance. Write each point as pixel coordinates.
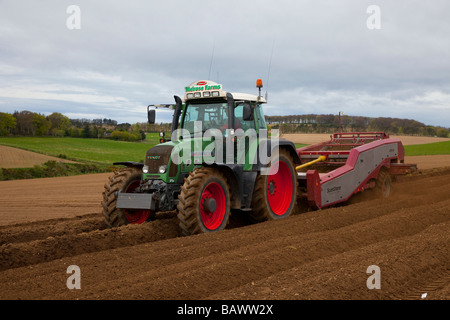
(49, 224)
(429, 162)
(17, 158)
(316, 138)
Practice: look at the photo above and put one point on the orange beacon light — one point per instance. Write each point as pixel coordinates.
(259, 83)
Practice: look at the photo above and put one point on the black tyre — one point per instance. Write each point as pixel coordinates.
(204, 202)
(124, 180)
(275, 194)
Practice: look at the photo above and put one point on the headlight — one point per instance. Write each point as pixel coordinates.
(162, 169)
(145, 169)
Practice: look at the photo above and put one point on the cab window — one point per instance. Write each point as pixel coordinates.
(239, 121)
(260, 118)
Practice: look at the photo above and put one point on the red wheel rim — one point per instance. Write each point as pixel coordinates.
(135, 216)
(280, 188)
(212, 220)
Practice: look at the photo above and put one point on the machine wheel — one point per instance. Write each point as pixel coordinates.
(124, 180)
(383, 185)
(275, 194)
(204, 204)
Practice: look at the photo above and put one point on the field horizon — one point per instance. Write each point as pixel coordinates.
(31, 151)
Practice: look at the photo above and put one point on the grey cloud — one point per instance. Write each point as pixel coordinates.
(129, 54)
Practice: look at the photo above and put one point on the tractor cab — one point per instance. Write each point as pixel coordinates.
(207, 103)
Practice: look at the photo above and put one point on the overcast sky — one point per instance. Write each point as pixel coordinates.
(314, 56)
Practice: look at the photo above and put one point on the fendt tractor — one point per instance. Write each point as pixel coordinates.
(220, 157)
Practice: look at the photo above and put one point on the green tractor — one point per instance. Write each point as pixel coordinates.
(219, 158)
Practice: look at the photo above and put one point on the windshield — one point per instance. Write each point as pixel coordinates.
(212, 115)
(215, 116)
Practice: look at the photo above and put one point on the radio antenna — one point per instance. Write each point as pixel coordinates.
(212, 56)
(268, 72)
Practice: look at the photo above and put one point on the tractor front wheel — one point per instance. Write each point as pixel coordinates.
(124, 180)
(204, 202)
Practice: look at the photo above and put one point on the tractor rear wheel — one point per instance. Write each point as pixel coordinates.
(124, 180)
(275, 194)
(204, 202)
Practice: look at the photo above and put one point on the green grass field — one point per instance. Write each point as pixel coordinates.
(108, 151)
(97, 150)
(300, 145)
(429, 149)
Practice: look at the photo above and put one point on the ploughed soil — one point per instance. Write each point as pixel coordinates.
(17, 158)
(48, 225)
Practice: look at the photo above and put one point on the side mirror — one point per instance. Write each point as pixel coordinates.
(230, 106)
(151, 116)
(176, 113)
(247, 113)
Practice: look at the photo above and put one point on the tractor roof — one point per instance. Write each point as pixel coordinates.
(205, 89)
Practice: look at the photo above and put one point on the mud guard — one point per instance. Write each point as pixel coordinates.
(282, 143)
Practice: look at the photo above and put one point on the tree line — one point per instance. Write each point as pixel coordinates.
(329, 123)
(27, 123)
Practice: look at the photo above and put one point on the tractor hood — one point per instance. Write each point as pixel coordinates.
(165, 159)
(158, 156)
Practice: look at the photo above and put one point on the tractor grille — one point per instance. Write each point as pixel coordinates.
(158, 156)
